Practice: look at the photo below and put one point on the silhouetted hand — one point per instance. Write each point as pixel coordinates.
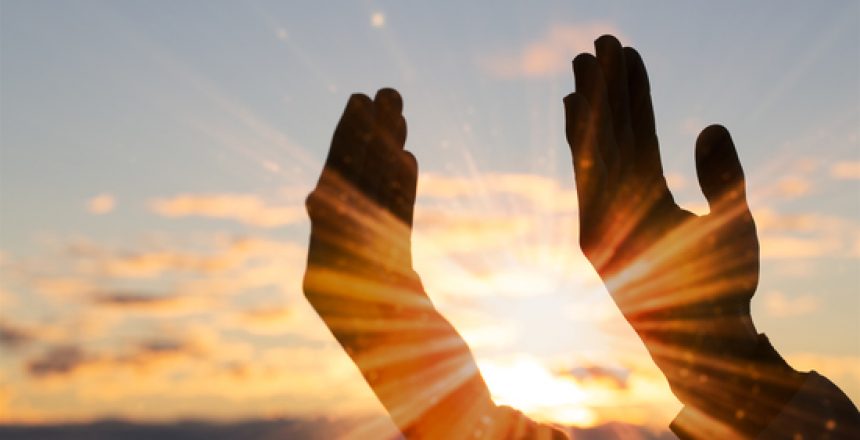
(361, 282)
(684, 282)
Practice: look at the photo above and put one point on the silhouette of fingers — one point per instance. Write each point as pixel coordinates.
(402, 195)
(388, 109)
(591, 85)
(401, 173)
(719, 169)
(646, 157)
(589, 170)
(386, 146)
(610, 56)
(351, 137)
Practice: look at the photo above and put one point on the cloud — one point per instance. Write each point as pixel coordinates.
(126, 302)
(64, 286)
(273, 319)
(552, 53)
(68, 359)
(784, 246)
(249, 209)
(845, 170)
(794, 186)
(474, 214)
(224, 255)
(101, 204)
(781, 306)
(530, 191)
(804, 235)
(14, 336)
(58, 360)
(615, 375)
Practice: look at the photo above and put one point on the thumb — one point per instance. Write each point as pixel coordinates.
(719, 169)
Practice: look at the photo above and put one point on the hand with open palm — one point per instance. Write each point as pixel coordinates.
(361, 282)
(684, 282)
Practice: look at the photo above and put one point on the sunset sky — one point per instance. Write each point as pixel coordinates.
(155, 157)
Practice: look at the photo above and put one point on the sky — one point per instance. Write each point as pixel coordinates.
(155, 157)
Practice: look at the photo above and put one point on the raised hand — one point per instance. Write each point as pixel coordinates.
(684, 282)
(361, 282)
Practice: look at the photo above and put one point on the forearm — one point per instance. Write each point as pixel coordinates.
(417, 364)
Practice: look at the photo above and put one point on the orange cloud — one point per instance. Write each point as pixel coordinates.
(783, 246)
(804, 235)
(244, 208)
(552, 53)
(794, 186)
(781, 306)
(845, 170)
(101, 204)
(273, 319)
(225, 255)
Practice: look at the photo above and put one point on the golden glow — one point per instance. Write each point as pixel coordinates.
(526, 384)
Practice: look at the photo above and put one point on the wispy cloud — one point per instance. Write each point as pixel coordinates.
(63, 360)
(13, 336)
(551, 53)
(101, 204)
(780, 305)
(845, 170)
(249, 209)
(804, 235)
(794, 186)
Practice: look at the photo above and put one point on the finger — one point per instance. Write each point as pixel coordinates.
(589, 170)
(351, 137)
(719, 169)
(610, 57)
(403, 193)
(381, 160)
(591, 86)
(388, 107)
(647, 164)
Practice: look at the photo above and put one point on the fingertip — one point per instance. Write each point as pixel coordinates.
(410, 160)
(633, 60)
(359, 100)
(631, 53)
(390, 99)
(714, 132)
(583, 60)
(710, 141)
(607, 39)
(568, 97)
(721, 175)
(575, 102)
(606, 42)
(568, 100)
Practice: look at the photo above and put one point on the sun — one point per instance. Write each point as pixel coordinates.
(526, 384)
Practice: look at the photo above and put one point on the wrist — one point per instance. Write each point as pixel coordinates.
(744, 396)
